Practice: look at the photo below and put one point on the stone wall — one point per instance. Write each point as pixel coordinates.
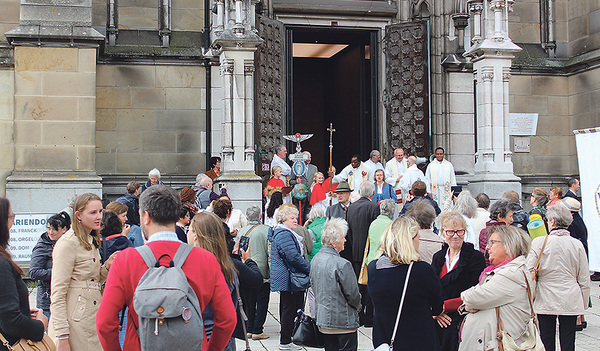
(564, 103)
(7, 161)
(524, 22)
(583, 18)
(461, 117)
(54, 109)
(547, 96)
(186, 15)
(150, 116)
(9, 16)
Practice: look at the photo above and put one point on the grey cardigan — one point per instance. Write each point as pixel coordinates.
(336, 290)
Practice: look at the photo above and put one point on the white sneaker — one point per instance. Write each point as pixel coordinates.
(290, 346)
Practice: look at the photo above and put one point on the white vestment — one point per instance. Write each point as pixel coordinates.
(412, 174)
(373, 165)
(355, 176)
(440, 177)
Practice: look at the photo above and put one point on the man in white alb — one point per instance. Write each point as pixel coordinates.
(286, 170)
(374, 161)
(355, 174)
(394, 171)
(412, 174)
(440, 177)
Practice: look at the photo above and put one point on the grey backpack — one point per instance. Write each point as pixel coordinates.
(169, 313)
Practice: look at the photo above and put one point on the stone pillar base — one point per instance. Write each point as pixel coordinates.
(494, 185)
(48, 192)
(244, 189)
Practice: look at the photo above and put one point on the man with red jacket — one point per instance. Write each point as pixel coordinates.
(159, 210)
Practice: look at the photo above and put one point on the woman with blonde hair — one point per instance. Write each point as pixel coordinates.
(416, 330)
(77, 276)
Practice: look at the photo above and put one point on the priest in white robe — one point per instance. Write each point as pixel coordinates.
(412, 174)
(394, 171)
(374, 161)
(355, 174)
(440, 177)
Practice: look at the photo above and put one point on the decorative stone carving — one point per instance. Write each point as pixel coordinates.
(269, 88)
(407, 97)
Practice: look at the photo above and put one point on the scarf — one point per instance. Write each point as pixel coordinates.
(363, 173)
(434, 177)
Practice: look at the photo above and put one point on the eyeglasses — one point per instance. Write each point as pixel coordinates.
(492, 242)
(451, 233)
(12, 216)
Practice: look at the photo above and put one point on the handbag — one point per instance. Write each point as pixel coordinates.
(299, 281)
(363, 277)
(46, 344)
(390, 347)
(537, 267)
(306, 332)
(533, 343)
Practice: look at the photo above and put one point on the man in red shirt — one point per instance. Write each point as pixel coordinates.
(159, 210)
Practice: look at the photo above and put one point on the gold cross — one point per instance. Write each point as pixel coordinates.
(330, 130)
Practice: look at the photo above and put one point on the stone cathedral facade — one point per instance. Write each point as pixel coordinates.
(95, 93)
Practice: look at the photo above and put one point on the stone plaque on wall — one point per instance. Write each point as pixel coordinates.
(407, 95)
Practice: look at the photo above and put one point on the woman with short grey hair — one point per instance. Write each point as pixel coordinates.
(387, 208)
(466, 205)
(314, 225)
(429, 242)
(563, 280)
(153, 179)
(336, 290)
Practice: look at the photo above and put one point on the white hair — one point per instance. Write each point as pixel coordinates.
(374, 153)
(367, 189)
(154, 172)
(315, 212)
(253, 213)
(332, 230)
(199, 177)
(205, 181)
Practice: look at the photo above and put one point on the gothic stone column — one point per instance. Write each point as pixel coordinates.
(491, 54)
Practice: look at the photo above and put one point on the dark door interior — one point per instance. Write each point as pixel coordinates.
(338, 88)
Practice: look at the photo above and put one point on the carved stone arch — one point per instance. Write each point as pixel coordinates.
(421, 9)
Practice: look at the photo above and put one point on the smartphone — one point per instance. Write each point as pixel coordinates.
(244, 241)
(457, 189)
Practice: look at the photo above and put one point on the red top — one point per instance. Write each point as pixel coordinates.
(319, 191)
(204, 275)
(450, 304)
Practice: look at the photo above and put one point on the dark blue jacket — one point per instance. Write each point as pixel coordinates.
(112, 244)
(285, 256)
(133, 208)
(40, 269)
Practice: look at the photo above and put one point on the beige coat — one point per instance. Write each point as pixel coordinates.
(563, 285)
(503, 287)
(75, 298)
(429, 244)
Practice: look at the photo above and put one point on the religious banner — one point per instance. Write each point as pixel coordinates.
(588, 141)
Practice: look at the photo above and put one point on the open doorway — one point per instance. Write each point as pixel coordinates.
(332, 78)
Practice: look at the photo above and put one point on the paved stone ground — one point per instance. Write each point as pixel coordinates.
(586, 340)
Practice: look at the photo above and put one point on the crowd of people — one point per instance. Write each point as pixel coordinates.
(387, 247)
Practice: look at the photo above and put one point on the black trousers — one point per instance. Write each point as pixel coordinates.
(365, 315)
(566, 331)
(256, 308)
(341, 342)
(289, 304)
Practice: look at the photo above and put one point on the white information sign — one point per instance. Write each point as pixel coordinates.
(522, 123)
(25, 233)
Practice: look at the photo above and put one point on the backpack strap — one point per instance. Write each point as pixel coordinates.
(181, 255)
(147, 255)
